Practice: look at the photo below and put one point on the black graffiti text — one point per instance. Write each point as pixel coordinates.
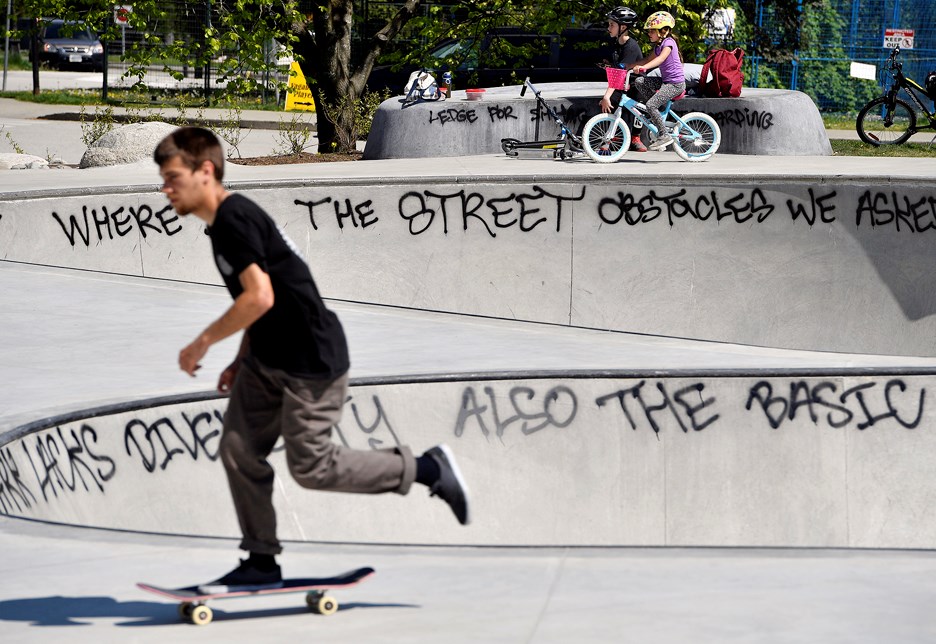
(741, 208)
(524, 211)
(159, 442)
(360, 215)
(556, 408)
(61, 461)
(681, 406)
(745, 117)
(888, 209)
(499, 113)
(862, 406)
(96, 226)
(15, 495)
(572, 116)
(453, 115)
(819, 209)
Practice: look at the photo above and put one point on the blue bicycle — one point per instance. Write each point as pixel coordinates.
(606, 137)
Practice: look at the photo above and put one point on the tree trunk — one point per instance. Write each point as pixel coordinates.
(335, 107)
(34, 54)
(325, 60)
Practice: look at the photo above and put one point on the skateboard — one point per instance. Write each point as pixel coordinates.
(192, 602)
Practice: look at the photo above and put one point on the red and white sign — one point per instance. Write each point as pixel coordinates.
(902, 38)
(122, 14)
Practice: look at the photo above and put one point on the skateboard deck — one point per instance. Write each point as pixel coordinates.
(192, 601)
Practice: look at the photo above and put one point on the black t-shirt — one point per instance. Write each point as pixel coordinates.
(629, 52)
(299, 334)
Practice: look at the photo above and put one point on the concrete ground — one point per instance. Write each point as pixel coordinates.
(76, 584)
(69, 584)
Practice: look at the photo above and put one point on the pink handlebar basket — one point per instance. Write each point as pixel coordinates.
(617, 78)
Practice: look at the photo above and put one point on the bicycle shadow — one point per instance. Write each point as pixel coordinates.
(81, 611)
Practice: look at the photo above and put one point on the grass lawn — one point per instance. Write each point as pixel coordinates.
(861, 149)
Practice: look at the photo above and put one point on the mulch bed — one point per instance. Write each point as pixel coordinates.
(302, 157)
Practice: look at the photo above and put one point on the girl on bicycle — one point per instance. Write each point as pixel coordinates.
(655, 92)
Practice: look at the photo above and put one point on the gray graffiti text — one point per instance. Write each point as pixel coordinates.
(374, 424)
(556, 408)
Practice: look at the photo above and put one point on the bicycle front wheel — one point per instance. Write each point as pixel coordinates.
(881, 122)
(698, 138)
(605, 138)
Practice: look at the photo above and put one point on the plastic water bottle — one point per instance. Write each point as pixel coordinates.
(447, 79)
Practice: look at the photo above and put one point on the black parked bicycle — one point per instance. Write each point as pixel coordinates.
(565, 146)
(889, 120)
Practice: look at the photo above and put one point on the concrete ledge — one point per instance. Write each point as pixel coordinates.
(690, 254)
(760, 121)
(700, 468)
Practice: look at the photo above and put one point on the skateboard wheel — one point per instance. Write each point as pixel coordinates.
(322, 604)
(201, 615)
(185, 610)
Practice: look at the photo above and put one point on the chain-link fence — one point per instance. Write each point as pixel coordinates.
(169, 72)
(834, 34)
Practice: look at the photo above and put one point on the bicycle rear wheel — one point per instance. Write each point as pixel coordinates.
(698, 139)
(605, 138)
(882, 123)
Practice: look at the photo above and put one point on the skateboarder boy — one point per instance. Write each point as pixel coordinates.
(290, 376)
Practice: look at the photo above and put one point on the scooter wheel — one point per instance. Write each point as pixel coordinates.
(510, 147)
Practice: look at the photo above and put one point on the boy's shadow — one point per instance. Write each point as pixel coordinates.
(81, 611)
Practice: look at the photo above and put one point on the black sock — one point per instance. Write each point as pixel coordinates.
(427, 470)
(262, 562)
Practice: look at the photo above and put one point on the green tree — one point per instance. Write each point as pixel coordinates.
(825, 74)
(321, 36)
(773, 29)
(474, 19)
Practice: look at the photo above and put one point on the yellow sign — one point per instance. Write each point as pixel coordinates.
(298, 96)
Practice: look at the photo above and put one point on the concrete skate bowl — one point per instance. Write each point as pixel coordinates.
(586, 459)
(837, 459)
(842, 264)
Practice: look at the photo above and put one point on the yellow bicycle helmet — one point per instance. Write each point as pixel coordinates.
(659, 20)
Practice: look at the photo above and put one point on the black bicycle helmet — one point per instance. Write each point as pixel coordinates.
(623, 16)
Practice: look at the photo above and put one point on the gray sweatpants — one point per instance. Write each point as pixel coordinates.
(654, 93)
(268, 403)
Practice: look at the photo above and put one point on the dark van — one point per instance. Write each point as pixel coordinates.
(556, 58)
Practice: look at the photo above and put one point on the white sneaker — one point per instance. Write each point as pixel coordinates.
(662, 143)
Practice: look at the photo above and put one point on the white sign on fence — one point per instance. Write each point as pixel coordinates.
(902, 38)
(861, 70)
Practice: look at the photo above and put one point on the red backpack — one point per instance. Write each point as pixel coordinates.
(727, 76)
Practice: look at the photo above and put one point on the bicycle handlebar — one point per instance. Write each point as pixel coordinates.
(892, 61)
